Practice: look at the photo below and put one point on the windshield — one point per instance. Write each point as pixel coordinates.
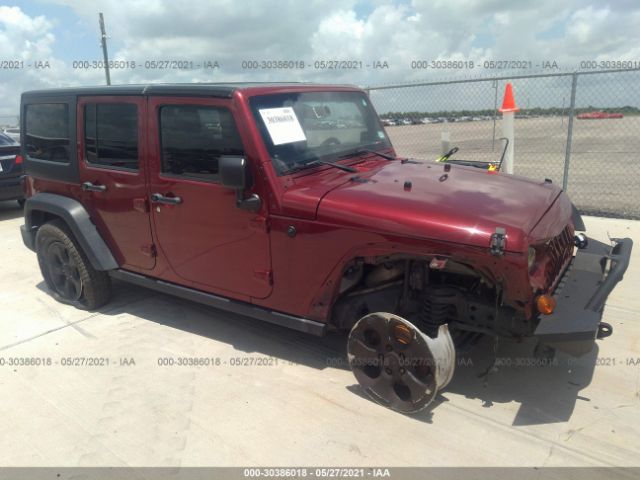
(301, 128)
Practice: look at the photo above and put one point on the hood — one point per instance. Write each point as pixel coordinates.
(464, 205)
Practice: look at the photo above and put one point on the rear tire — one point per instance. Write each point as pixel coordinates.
(66, 270)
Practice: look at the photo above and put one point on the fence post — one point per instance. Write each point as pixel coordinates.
(494, 84)
(567, 154)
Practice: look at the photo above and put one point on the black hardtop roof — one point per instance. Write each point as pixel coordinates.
(224, 90)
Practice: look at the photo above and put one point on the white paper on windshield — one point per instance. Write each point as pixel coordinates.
(283, 125)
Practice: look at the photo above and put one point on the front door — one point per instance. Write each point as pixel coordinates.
(205, 238)
(112, 148)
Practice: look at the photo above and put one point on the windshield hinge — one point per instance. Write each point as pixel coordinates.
(498, 242)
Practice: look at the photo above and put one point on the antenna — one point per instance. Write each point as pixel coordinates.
(103, 42)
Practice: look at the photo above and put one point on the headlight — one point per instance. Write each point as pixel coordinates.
(531, 260)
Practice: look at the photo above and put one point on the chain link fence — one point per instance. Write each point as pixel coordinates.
(9, 120)
(568, 129)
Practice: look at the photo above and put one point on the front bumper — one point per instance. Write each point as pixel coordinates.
(581, 294)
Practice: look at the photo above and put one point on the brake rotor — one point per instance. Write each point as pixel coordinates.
(397, 365)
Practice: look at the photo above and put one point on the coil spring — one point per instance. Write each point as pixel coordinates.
(438, 308)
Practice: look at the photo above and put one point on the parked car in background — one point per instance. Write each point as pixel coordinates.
(13, 132)
(598, 115)
(10, 169)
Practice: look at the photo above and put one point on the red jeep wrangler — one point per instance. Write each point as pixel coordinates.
(286, 203)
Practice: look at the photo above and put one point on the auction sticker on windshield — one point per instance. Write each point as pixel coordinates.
(283, 125)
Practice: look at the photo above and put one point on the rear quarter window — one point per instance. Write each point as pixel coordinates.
(47, 132)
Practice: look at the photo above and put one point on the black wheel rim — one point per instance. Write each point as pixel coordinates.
(392, 361)
(63, 271)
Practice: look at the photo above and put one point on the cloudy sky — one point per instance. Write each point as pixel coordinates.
(53, 34)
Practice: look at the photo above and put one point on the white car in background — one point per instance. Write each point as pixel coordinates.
(13, 132)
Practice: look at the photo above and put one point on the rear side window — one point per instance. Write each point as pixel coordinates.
(47, 131)
(111, 134)
(193, 138)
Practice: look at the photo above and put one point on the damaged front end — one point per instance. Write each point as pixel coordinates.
(580, 294)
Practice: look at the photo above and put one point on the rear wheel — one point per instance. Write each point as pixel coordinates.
(66, 269)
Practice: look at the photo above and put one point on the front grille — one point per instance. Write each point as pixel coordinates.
(559, 251)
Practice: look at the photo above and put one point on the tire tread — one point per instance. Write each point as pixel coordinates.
(96, 284)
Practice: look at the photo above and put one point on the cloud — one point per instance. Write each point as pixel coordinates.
(24, 37)
(24, 40)
(603, 33)
(397, 32)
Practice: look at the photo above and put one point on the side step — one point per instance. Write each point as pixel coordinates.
(242, 308)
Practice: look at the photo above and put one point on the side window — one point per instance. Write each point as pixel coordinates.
(111, 134)
(194, 137)
(47, 131)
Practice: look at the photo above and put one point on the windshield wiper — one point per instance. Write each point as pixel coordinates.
(375, 152)
(360, 151)
(315, 163)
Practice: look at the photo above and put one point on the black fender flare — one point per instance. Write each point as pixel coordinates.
(77, 219)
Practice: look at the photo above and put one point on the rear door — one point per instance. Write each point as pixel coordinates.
(112, 162)
(204, 236)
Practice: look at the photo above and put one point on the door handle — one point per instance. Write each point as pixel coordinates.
(90, 187)
(159, 198)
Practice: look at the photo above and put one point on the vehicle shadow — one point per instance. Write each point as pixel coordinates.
(546, 394)
(9, 210)
(244, 334)
(546, 389)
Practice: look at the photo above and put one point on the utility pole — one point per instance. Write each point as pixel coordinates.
(103, 42)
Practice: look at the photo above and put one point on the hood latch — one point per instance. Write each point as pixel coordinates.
(498, 242)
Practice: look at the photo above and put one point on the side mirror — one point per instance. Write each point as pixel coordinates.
(235, 173)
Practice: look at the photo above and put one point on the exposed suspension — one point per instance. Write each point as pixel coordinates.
(438, 308)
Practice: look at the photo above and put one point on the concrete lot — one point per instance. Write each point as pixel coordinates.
(302, 409)
(604, 165)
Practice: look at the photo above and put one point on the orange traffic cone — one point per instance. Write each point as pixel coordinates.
(508, 104)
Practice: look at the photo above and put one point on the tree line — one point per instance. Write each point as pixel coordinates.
(551, 111)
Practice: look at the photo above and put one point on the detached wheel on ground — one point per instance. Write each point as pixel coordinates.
(66, 269)
(397, 365)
